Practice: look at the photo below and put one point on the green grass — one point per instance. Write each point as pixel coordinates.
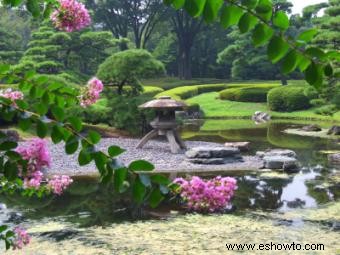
(216, 108)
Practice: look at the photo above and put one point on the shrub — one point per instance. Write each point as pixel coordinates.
(318, 102)
(247, 94)
(127, 68)
(326, 109)
(288, 98)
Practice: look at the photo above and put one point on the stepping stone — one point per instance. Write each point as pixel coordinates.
(287, 164)
(276, 152)
(242, 146)
(212, 152)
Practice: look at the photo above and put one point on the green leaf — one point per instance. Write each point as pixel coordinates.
(316, 52)
(41, 108)
(303, 62)
(247, 22)
(4, 68)
(100, 159)
(281, 20)
(277, 49)
(84, 157)
(24, 124)
(308, 35)
(328, 70)
(76, 123)
(156, 198)
(72, 144)
(314, 75)
(138, 191)
(250, 4)
(57, 134)
(10, 171)
(264, 9)
(230, 16)
(33, 7)
(114, 151)
(211, 10)
(42, 129)
(333, 54)
(8, 145)
(262, 34)
(58, 113)
(3, 228)
(160, 179)
(94, 136)
(177, 4)
(290, 62)
(194, 7)
(119, 178)
(141, 165)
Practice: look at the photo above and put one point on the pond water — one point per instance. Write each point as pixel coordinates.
(268, 206)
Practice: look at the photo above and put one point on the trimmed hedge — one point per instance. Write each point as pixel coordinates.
(254, 93)
(151, 91)
(288, 98)
(186, 92)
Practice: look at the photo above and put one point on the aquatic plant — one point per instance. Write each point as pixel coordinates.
(70, 16)
(207, 195)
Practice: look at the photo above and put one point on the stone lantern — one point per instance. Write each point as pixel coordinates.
(165, 122)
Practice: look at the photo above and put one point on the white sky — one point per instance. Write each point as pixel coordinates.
(300, 4)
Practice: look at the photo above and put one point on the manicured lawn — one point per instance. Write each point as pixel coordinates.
(216, 108)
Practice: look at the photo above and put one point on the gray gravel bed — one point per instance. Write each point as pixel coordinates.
(155, 151)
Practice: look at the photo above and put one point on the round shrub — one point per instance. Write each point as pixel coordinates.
(288, 99)
(246, 94)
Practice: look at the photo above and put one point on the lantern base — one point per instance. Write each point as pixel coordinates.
(175, 141)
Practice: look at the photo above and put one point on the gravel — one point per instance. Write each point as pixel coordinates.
(155, 151)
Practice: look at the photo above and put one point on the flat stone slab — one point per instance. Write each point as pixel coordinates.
(276, 153)
(212, 152)
(334, 158)
(242, 146)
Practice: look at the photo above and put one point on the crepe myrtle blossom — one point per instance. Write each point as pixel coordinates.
(11, 94)
(59, 183)
(21, 238)
(207, 195)
(70, 16)
(91, 93)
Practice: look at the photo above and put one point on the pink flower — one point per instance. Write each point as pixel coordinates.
(71, 16)
(91, 92)
(12, 94)
(36, 153)
(34, 181)
(207, 196)
(21, 238)
(59, 183)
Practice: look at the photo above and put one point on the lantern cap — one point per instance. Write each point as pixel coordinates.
(164, 102)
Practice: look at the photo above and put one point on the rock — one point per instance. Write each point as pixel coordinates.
(297, 203)
(207, 161)
(276, 152)
(288, 164)
(335, 130)
(242, 146)
(311, 128)
(212, 152)
(11, 135)
(334, 158)
(260, 117)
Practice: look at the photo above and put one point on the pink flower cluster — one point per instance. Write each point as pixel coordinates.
(207, 195)
(21, 238)
(11, 94)
(59, 183)
(37, 154)
(92, 92)
(71, 16)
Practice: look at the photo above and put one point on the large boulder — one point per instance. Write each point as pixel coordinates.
(335, 130)
(212, 152)
(287, 164)
(242, 146)
(334, 158)
(260, 117)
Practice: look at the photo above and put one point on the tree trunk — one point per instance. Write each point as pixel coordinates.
(184, 61)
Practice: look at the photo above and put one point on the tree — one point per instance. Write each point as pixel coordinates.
(186, 29)
(53, 52)
(127, 68)
(121, 17)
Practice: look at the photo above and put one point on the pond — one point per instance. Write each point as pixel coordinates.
(268, 206)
